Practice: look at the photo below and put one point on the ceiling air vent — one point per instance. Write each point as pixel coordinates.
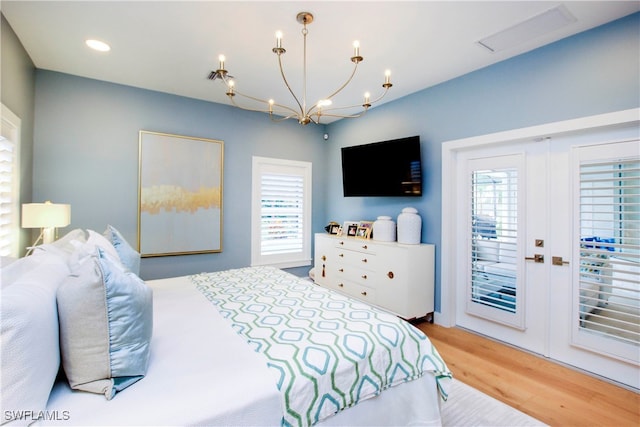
(536, 26)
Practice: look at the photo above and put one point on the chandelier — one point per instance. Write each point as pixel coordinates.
(302, 113)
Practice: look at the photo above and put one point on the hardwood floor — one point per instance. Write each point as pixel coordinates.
(550, 392)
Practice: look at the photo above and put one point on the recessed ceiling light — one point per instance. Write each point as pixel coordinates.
(98, 45)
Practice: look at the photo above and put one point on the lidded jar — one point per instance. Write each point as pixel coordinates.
(384, 229)
(409, 226)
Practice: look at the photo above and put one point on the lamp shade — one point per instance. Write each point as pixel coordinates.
(45, 215)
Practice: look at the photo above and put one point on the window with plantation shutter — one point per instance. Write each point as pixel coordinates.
(281, 213)
(494, 233)
(9, 184)
(610, 248)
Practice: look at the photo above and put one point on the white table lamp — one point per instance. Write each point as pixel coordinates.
(46, 216)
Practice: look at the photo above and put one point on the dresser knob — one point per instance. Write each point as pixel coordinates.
(390, 275)
(364, 276)
(365, 247)
(364, 293)
(341, 270)
(341, 242)
(340, 285)
(341, 255)
(364, 260)
(324, 258)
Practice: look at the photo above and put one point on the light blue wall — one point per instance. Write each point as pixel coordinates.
(86, 145)
(591, 73)
(86, 137)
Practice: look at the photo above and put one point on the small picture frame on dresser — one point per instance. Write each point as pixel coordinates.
(364, 229)
(334, 228)
(350, 228)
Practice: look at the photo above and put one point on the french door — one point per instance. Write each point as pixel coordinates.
(548, 233)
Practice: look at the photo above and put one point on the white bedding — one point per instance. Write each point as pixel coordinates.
(202, 373)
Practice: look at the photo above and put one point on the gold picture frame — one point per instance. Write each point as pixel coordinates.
(350, 228)
(364, 230)
(180, 187)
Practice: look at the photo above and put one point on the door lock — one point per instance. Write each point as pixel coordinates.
(557, 260)
(536, 258)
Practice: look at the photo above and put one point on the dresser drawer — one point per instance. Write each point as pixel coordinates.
(355, 290)
(348, 273)
(356, 259)
(357, 245)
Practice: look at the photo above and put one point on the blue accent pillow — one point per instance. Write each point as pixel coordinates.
(106, 316)
(130, 257)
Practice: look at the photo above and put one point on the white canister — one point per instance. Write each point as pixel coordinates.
(384, 229)
(409, 226)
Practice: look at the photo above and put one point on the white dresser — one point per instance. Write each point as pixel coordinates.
(396, 277)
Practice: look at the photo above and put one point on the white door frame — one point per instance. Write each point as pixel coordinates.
(447, 314)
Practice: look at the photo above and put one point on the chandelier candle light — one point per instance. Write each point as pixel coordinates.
(301, 113)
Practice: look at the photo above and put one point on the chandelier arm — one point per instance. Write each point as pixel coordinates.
(282, 119)
(253, 98)
(355, 105)
(284, 107)
(347, 116)
(353, 73)
(286, 82)
(382, 95)
(315, 106)
(227, 83)
(293, 112)
(261, 110)
(242, 107)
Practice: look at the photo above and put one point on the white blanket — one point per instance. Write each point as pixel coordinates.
(327, 352)
(202, 373)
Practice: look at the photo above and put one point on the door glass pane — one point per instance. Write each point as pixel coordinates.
(610, 249)
(494, 233)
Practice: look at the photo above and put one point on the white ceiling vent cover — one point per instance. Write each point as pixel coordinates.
(546, 22)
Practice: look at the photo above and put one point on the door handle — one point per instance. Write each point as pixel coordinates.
(536, 258)
(557, 260)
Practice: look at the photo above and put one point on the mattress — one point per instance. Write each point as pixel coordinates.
(202, 372)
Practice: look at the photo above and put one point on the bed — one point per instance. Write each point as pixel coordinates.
(249, 346)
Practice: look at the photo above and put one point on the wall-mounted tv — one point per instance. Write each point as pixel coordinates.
(383, 169)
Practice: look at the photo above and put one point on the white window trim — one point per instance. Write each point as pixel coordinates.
(260, 164)
(11, 127)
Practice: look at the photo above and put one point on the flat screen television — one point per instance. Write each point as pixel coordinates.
(383, 169)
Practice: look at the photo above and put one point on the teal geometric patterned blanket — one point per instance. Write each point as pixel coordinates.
(327, 351)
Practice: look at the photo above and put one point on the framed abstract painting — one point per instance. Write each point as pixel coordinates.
(180, 182)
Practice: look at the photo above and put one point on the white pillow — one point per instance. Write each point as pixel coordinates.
(12, 272)
(60, 250)
(65, 245)
(6, 260)
(29, 346)
(97, 239)
(106, 322)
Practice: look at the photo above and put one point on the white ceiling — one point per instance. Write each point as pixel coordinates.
(172, 46)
